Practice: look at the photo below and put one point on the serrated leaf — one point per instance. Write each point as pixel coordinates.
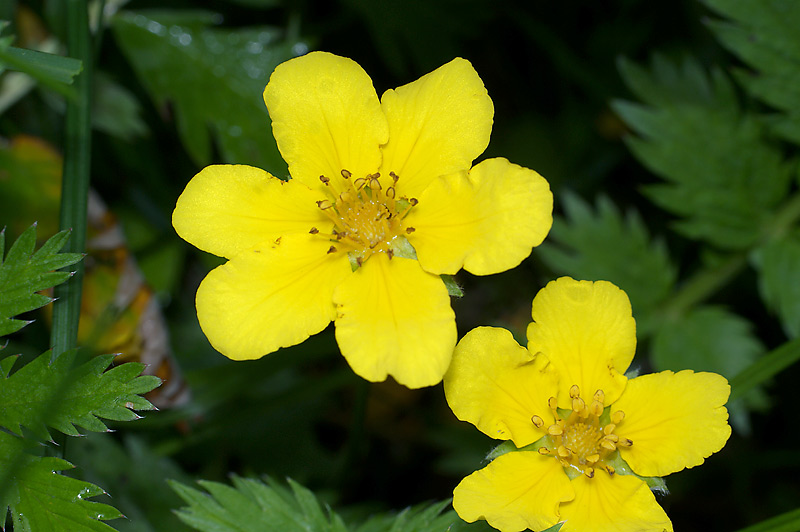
(23, 273)
(213, 77)
(39, 498)
(600, 243)
(723, 177)
(252, 504)
(763, 33)
(42, 394)
(778, 263)
(710, 339)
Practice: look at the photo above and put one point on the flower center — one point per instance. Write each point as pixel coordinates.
(366, 218)
(581, 443)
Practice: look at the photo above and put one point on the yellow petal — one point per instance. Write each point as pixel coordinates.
(227, 209)
(675, 420)
(613, 503)
(518, 490)
(587, 331)
(487, 220)
(270, 297)
(497, 385)
(395, 319)
(325, 117)
(438, 125)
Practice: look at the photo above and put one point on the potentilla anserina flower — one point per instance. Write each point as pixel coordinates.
(382, 200)
(585, 437)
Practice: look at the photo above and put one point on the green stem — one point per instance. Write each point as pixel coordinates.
(706, 282)
(75, 183)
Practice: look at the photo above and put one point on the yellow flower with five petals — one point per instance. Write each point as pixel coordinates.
(584, 434)
(383, 200)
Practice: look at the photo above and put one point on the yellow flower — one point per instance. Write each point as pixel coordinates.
(382, 200)
(586, 434)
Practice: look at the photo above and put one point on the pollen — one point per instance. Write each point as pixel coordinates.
(366, 213)
(581, 442)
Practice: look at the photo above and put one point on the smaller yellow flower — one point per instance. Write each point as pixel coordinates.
(585, 434)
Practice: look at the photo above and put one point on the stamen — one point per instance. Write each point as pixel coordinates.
(359, 183)
(555, 430)
(574, 391)
(413, 201)
(589, 472)
(563, 452)
(325, 180)
(324, 204)
(544, 451)
(331, 249)
(390, 192)
(627, 442)
(394, 177)
(346, 174)
(410, 230)
(537, 421)
(314, 231)
(617, 417)
(599, 396)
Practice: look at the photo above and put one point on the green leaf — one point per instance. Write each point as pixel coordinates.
(51, 70)
(252, 504)
(710, 339)
(602, 244)
(778, 263)
(23, 273)
(213, 77)
(786, 522)
(42, 394)
(763, 33)
(765, 368)
(39, 498)
(723, 179)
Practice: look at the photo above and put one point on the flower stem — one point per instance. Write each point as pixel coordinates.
(75, 182)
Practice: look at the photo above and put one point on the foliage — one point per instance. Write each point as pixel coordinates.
(675, 176)
(24, 273)
(58, 394)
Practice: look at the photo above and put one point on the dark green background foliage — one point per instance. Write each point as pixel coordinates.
(668, 131)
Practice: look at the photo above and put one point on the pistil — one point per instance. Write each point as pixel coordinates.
(581, 442)
(366, 217)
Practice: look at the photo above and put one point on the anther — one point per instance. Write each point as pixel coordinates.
(332, 249)
(314, 231)
(374, 184)
(390, 253)
(563, 452)
(390, 192)
(611, 437)
(325, 180)
(324, 204)
(574, 391)
(608, 429)
(593, 458)
(394, 176)
(627, 442)
(410, 230)
(599, 396)
(605, 444)
(376, 175)
(552, 403)
(589, 472)
(537, 422)
(346, 174)
(544, 451)
(596, 408)
(610, 470)
(413, 201)
(578, 405)
(617, 417)
(358, 183)
(555, 430)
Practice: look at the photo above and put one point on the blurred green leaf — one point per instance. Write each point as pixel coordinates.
(214, 79)
(115, 110)
(602, 244)
(710, 339)
(765, 368)
(779, 265)
(788, 522)
(53, 71)
(255, 505)
(723, 178)
(42, 394)
(41, 499)
(24, 273)
(763, 33)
